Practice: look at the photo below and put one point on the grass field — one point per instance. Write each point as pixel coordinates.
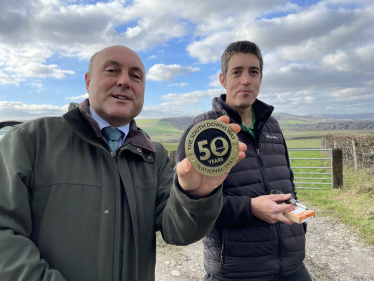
(145, 121)
(162, 132)
(161, 128)
(304, 143)
(299, 134)
(292, 122)
(170, 146)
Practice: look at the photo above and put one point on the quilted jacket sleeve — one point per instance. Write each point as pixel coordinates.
(19, 257)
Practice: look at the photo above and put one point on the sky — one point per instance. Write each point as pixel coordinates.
(318, 55)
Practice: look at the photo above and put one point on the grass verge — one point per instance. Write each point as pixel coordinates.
(352, 205)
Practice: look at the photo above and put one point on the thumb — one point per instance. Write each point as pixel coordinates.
(183, 167)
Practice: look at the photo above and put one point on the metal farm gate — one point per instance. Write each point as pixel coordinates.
(323, 171)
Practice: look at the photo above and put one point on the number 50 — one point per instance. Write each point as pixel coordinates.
(213, 148)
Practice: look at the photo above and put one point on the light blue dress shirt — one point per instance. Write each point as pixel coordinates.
(102, 124)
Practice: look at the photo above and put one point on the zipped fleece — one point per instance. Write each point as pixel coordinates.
(242, 247)
(69, 210)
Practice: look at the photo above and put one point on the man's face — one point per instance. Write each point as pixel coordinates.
(242, 81)
(116, 85)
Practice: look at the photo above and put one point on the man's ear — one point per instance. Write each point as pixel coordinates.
(87, 79)
(222, 80)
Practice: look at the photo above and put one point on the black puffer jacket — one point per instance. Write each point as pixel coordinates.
(241, 246)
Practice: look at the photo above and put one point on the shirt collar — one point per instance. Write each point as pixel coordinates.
(102, 123)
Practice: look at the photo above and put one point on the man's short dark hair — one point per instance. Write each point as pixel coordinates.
(239, 47)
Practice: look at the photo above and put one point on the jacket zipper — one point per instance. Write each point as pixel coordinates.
(258, 153)
(223, 247)
(261, 125)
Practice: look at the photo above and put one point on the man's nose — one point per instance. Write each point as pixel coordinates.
(124, 80)
(246, 79)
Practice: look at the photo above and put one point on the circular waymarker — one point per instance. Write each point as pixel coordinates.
(212, 147)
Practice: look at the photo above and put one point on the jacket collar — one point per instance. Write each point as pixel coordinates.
(262, 110)
(136, 136)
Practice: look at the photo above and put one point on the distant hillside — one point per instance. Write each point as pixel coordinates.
(180, 123)
(286, 117)
(343, 116)
(306, 122)
(337, 125)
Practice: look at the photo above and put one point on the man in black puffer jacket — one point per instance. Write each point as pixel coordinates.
(252, 239)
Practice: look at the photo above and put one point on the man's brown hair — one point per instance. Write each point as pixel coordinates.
(239, 47)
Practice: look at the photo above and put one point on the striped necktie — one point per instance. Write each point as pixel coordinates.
(112, 136)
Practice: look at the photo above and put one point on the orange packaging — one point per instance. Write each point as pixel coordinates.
(299, 215)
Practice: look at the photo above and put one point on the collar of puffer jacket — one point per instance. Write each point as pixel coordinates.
(261, 109)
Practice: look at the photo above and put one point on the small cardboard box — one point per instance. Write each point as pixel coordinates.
(299, 215)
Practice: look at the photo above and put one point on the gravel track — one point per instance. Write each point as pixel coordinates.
(333, 252)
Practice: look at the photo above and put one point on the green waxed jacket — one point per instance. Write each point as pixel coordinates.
(69, 210)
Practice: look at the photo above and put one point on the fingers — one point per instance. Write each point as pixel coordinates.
(285, 207)
(282, 218)
(235, 128)
(224, 119)
(279, 197)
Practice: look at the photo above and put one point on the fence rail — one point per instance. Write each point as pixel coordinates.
(335, 167)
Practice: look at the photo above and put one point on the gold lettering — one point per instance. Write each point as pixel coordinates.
(214, 148)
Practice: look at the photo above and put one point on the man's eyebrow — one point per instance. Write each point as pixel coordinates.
(237, 68)
(241, 67)
(112, 62)
(116, 63)
(135, 68)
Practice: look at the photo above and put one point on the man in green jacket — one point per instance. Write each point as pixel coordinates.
(82, 195)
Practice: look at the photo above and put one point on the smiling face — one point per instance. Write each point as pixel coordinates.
(116, 84)
(242, 80)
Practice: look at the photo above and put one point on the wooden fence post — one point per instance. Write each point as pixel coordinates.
(172, 156)
(354, 153)
(337, 167)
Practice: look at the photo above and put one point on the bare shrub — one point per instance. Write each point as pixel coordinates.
(363, 144)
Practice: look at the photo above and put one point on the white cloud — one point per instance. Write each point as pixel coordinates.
(319, 52)
(186, 104)
(214, 80)
(305, 35)
(192, 98)
(78, 97)
(178, 84)
(21, 111)
(37, 86)
(168, 109)
(162, 72)
(29, 62)
(6, 79)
